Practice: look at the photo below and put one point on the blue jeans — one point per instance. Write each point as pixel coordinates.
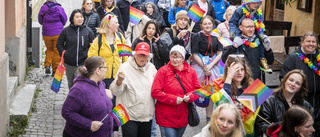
(154, 128)
(172, 132)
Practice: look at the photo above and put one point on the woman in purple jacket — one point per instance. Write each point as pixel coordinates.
(52, 18)
(88, 103)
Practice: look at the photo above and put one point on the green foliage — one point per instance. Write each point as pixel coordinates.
(17, 126)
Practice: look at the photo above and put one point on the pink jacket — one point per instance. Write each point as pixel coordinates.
(166, 88)
(223, 30)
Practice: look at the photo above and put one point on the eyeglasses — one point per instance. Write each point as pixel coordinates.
(104, 67)
(236, 55)
(249, 27)
(88, 3)
(176, 58)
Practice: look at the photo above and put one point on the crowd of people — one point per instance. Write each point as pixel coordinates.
(172, 57)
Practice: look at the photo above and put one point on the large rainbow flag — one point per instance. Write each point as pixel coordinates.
(124, 50)
(195, 13)
(255, 95)
(57, 79)
(201, 92)
(221, 97)
(120, 115)
(135, 15)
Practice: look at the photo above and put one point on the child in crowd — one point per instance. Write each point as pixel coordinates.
(250, 9)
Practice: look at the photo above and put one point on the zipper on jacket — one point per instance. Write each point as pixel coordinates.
(78, 47)
(82, 40)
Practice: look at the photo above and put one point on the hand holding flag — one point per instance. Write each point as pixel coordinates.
(195, 13)
(119, 114)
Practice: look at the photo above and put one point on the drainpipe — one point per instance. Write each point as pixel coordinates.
(29, 32)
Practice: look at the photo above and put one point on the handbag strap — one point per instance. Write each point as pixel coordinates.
(178, 78)
(62, 58)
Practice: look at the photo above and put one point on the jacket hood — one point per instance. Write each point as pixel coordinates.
(81, 78)
(135, 65)
(51, 4)
(218, 0)
(76, 27)
(274, 130)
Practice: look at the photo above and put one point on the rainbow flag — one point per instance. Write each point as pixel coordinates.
(225, 41)
(221, 97)
(201, 92)
(57, 79)
(135, 15)
(255, 95)
(120, 115)
(124, 50)
(195, 13)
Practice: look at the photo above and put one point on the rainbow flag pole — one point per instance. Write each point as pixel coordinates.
(195, 13)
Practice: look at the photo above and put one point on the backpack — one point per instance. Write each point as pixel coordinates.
(100, 43)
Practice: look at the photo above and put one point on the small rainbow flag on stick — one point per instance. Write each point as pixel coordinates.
(56, 83)
(201, 92)
(255, 95)
(120, 115)
(195, 13)
(225, 41)
(135, 15)
(124, 50)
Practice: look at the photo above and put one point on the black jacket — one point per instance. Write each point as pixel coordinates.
(177, 41)
(94, 21)
(116, 11)
(210, 12)
(159, 19)
(272, 110)
(124, 7)
(252, 56)
(156, 49)
(294, 62)
(76, 41)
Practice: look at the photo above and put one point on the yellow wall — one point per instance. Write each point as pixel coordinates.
(302, 22)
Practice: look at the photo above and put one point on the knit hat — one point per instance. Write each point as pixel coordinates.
(142, 48)
(179, 49)
(251, 1)
(182, 14)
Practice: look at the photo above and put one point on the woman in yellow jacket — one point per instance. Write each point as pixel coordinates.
(109, 39)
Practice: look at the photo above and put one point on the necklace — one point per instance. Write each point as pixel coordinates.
(309, 63)
(257, 21)
(254, 44)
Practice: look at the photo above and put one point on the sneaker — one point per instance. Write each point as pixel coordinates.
(48, 70)
(265, 65)
(53, 73)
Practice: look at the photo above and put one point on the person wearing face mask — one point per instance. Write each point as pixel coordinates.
(307, 58)
(172, 101)
(75, 40)
(291, 91)
(92, 19)
(225, 122)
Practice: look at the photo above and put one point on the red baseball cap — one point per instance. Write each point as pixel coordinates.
(142, 48)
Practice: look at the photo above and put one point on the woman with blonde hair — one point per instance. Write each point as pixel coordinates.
(178, 6)
(223, 28)
(225, 122)
(108, 6)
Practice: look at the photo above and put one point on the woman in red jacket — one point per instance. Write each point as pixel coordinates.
(172, 102)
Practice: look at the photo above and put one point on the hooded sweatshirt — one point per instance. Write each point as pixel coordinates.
(52, 18)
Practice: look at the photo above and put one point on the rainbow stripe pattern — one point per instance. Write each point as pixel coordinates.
(225, 41)
(255, 95)
(201, 92)
(57, 79)
(120, 115)
(195, 13)
(124, 50)
(135, 15)
(221, 97)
